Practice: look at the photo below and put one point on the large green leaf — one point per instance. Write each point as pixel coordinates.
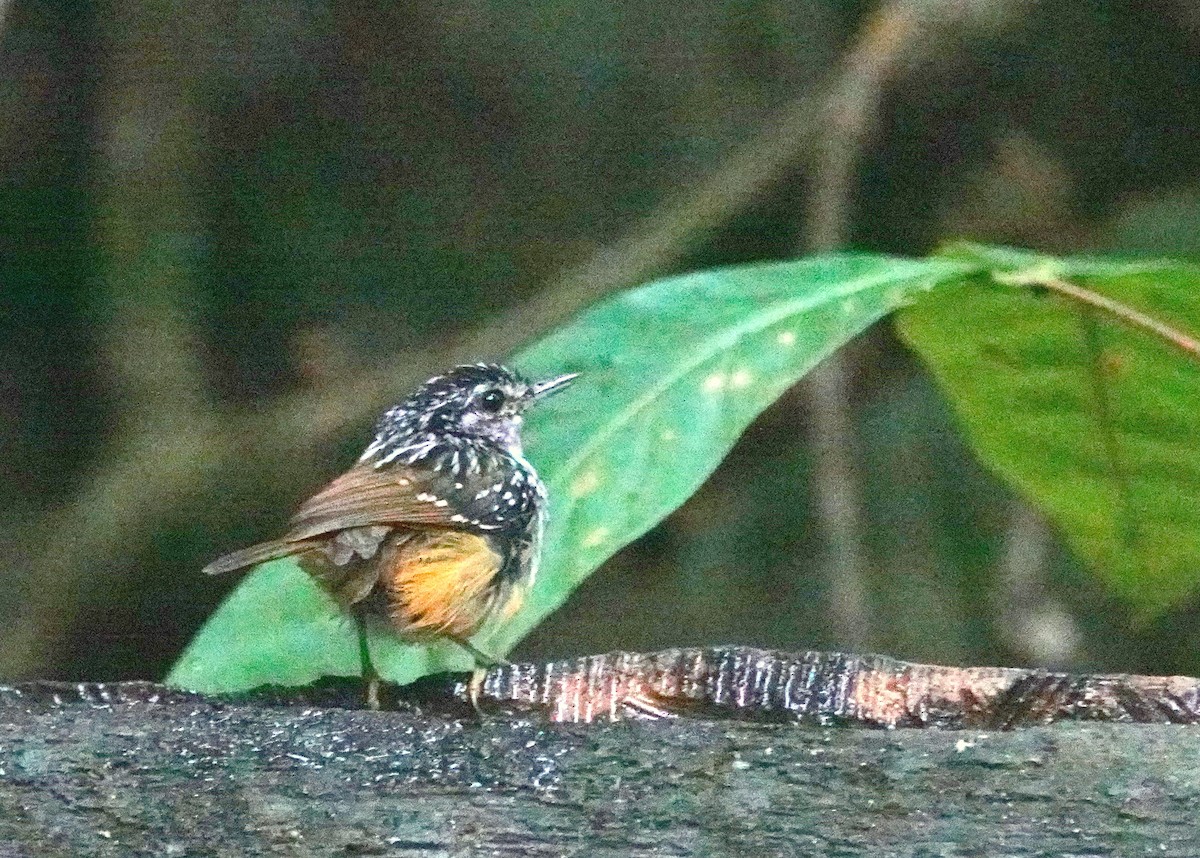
(672, 373)
(1086, 411)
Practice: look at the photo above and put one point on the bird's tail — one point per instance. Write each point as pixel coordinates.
(256, 554)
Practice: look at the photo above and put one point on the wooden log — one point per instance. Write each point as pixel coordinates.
(134, 768)
(827, 688)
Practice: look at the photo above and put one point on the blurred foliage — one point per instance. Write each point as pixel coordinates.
(230, 232)
(1090, 409)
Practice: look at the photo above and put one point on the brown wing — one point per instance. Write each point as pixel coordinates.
(365, 496)
(397, 497)
(361, 497)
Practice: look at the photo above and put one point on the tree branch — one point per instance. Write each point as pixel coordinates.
(302, 776)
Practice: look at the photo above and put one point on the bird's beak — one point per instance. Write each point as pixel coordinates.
(542, 389)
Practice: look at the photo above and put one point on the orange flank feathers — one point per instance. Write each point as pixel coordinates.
(442, 583)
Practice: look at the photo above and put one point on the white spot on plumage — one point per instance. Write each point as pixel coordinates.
(426, 497)
(472, 461)
(392, 455)
(458, 518)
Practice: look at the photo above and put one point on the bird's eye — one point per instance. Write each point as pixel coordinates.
(492, 401)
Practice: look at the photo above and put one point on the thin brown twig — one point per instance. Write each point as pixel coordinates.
(897, 32)
(851, 115)
(1122, 312)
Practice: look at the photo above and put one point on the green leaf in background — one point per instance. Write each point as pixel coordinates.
(1093, 418)
(672, 373)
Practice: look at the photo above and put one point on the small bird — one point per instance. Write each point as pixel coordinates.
(438, 526)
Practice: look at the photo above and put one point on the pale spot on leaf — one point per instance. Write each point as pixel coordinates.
(714, 382)
(741, 378)
(668, 435)
(585, 484)
(786, 338)
(596, 537)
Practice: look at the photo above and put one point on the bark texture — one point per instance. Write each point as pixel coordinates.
(138, 769)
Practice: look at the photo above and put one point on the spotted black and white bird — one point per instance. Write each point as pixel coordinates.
(438, 526)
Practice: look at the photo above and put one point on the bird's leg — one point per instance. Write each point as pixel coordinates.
(369, 675)
(483, 661)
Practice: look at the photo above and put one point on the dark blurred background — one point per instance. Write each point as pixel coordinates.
(231, 232)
